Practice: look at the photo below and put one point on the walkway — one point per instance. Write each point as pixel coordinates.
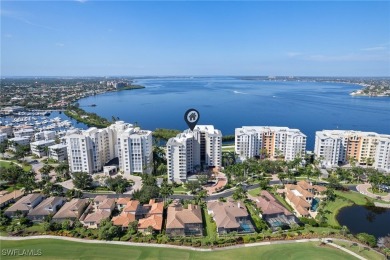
(221, 182)
(184, 247)
(363, 189)
(344, 249)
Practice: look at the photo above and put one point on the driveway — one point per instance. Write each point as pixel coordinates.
(363, 189)
(137, 183)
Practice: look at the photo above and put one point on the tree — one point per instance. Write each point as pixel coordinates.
(149, 189)
(166, 190)
(46, 169)
(193, 186)
(3, 147)
(282, 177)
(133, 227)
(330, 194)
(367, 239)
(82, 180)
(200, 197)
(11, 174)
(117, 184)
(62, 170)
(344, 230)
(239, 193)
(108, 231)
(28, 181)
(73, 194)
(66, 224)
(203, 179)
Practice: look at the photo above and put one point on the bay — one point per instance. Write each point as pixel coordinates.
(228, 103)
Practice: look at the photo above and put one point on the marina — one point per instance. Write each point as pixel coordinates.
(41, 121)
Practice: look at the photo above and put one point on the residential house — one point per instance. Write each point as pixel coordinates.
(101, 209)
(10, 197)
(230, 217)
(48, 207)
(273, 212)
(72, 210)
(92, 220)
(153, 217)
(184, 221)
(122, 202)
(130, 213)
(24, 205)
(303, 197)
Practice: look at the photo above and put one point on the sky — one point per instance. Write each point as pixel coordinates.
(160, 38)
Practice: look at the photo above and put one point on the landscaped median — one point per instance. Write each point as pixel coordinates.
(90, 249)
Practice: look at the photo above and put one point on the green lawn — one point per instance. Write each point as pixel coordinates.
(357, 198)
(334, 207)
(228, 149)
(6, 164)
(180, 190)
(368, 254)
(255, 192)
(380, 193)
(210, 226)
(283, 202)
(58, 249)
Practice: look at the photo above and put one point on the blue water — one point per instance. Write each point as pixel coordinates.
(315, 204)
(228, 102)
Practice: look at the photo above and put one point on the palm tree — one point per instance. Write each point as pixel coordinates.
(166, 189)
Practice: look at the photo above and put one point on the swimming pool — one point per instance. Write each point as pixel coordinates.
(314, 204)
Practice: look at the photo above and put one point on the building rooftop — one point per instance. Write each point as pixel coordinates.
(178, 216)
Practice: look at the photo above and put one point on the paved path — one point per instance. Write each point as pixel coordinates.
(363, 189)
(186, 247)
(345, 250)
(137, 183)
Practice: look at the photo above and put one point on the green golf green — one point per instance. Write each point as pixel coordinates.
(59, 249)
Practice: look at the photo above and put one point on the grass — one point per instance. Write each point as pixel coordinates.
(380, 193)
(344, 199)
(357, 198)
(283, 202)
(6, 164)
(58, 249)
(180, 190)
(227, 149)
(36, 228)
(368, 254)
(255, 192)
(257, 221)
(210, 226)
(334, 207)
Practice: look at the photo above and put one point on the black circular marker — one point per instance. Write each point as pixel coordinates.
(191, 117)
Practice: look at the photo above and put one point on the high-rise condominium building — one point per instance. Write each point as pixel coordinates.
(340, 146)
(89, 150)
(275, 142)
(192, 150)
(135, 151)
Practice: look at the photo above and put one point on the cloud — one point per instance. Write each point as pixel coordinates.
(377, 48)
(60, 44)
(294, 54)
(7, 35)
(81, 1)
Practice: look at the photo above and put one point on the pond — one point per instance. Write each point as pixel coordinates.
(364, 219)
